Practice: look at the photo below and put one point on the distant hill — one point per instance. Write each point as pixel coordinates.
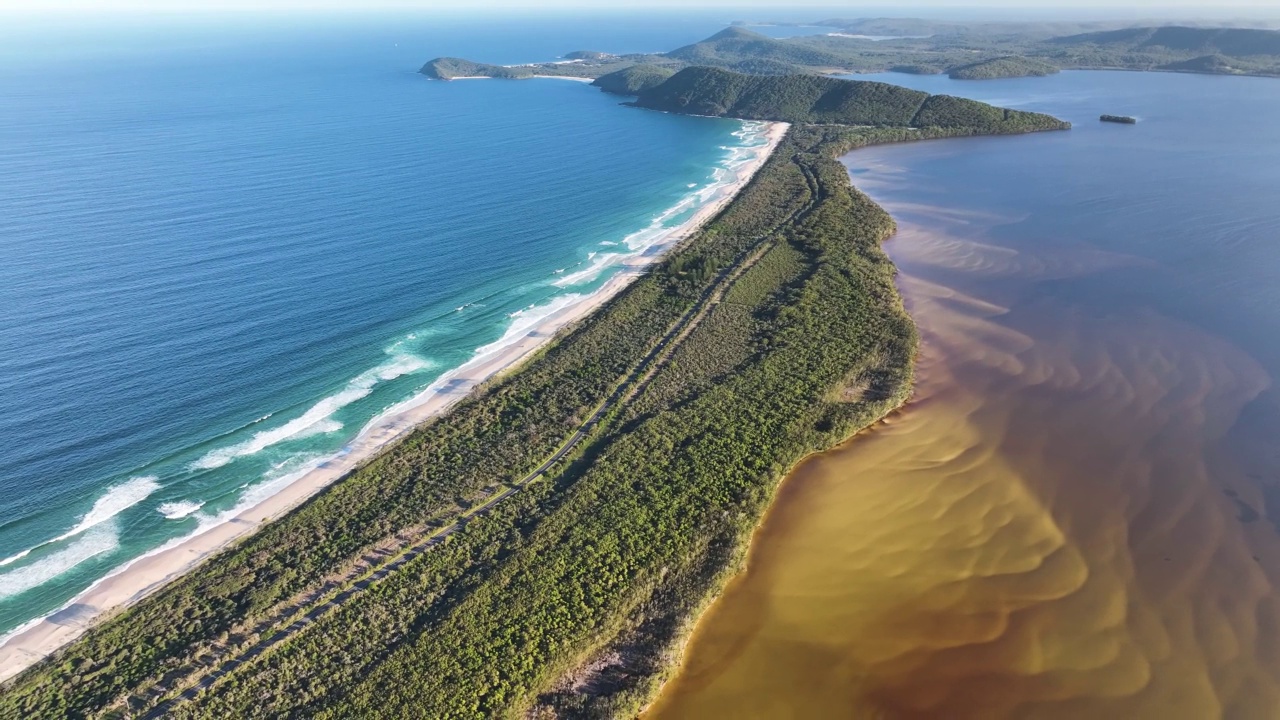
(633, 80)
(447, 68)
(917, 69)
(735, 46)
(891, 27)
(967, 51)
(791, 98)
(1011, 66)
(1229, 42)
(588, 55)
(825, 100)
(944, 29)
(1205, 64)
(585, 64)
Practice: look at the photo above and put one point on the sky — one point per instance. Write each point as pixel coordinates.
(455, 6)
(1229, 12)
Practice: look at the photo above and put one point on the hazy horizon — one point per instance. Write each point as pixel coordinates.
(988, 9)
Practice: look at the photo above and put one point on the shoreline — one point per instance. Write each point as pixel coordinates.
(574, 78)
(148, 573)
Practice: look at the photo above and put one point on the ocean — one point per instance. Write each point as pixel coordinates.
(232, 242)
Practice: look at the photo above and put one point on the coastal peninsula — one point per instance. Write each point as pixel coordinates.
(545, 545)
(963, 51)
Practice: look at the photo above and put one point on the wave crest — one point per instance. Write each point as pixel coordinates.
(114, 501)
(100, 539)
(180, 509)
(317, 420)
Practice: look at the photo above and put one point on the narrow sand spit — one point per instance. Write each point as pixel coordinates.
(148, 573)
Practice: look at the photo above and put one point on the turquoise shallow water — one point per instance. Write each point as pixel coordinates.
(227, 246)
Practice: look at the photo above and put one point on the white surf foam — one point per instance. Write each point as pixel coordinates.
(661, 229)
(523, 321)
(105, 539)
(284, 474)
(598, 265)
(114, 501)
(97, 540)
(317, 419)
(179, 510)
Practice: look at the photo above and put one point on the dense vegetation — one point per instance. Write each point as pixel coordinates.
(594, 55)
(649, 520)
(450, 68)
(816, 99)
(944, 29)
(589, 65)
(916, 69)
(572, 594)
(1214, 64)
(1122, 119)
(790, 98)
(734, 46)
(633, 80)
(1231, 42)
(1003, 67)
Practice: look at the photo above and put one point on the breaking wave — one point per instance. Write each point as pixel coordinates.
(317, 420)
(114, 501)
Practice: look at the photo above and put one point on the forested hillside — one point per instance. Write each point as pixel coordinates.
(633, 80)
(817, 99)
(736, 45)
(1004, 67)
(1231, 42)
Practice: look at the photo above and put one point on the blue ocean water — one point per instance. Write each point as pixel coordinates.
(229, 243)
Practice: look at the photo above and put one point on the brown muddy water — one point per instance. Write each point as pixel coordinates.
(1076, 517)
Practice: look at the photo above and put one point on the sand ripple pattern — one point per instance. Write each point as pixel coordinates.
(1069, 521)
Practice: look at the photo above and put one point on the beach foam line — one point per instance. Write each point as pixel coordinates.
(141, 576)
(95, 541)
(180, 509)
(523, 322)
(114, 501)
(564, 77)
(317, 420)
(724, 182)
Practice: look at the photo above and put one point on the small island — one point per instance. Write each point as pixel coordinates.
(1122, 119)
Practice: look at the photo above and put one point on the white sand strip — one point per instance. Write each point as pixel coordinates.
(564, 77)
(148, 573)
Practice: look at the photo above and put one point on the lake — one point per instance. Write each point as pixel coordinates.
(1077, 514)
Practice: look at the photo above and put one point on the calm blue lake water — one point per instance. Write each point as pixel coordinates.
(229, 244)
(1191, 188)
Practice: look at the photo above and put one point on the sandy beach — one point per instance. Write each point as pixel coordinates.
(540, 77)
(148, 573)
